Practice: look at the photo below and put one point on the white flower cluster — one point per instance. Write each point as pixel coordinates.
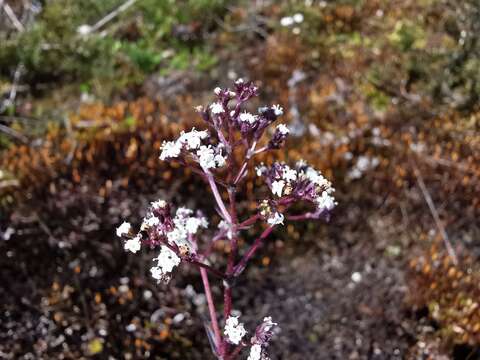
(247, 117)
(211, 156)
(176, 231)
(234, 331)
(134, 244)
(208, 156)
(166, 261)
(283, 129)
(286, 182)
(185, 225)
(190, 140)
(124, 229)
(217, 108)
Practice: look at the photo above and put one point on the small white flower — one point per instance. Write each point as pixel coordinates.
(282, 129)
(239, 81)
(209, 158)
(217, 91)
(286, 21)
(325, 201)
(216, 108)
(193, 138)
(275, 219)
(255, 352)
(124, 229)
(277, 109)
(219, 160)
(178, 236)
(133, 245)
(277, 187)
(260, 169)
(159, 204)
(170, 149)
(316, 177)
(246, 117)
(149, 222)
(183, 212)
(166, 261)
(289, 174)
(234, 331)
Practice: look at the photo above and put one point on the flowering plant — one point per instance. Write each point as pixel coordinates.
(212, 155)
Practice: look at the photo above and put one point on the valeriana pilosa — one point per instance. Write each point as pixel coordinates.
(183, 236)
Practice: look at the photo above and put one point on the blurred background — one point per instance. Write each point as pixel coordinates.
(381, 95)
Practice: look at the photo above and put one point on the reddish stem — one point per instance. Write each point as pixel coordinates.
(238, 269)
(211, 309)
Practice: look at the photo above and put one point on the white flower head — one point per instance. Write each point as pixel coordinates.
(275, 219)
(159, 204)
(325, 201)
(210, 157)
(316, 177)
(277, 109)
(283, 129)
(166, 261)
(239, 81)
(255, 352)
(133, 245)
(149, 221)
(124, 229)
(217, 90)
(234, 331)
(170, 149)
(277, 187)
(246, 117)
(216, 108)
(192, 139)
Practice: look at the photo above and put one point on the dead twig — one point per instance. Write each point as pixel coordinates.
(110, 16)
(434, 212)
(13, 18)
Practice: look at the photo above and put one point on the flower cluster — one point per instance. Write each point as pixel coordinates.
(232, 130)
(208, 156)
(172, 234)
(261, 340)
(235, 332)
(301, 183)
(222, 116)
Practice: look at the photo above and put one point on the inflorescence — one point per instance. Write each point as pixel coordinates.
(183, 235)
